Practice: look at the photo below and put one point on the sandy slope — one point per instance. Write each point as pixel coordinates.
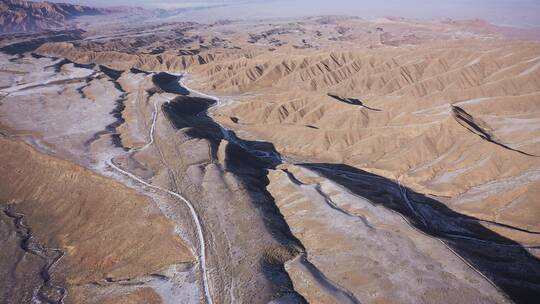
(82, 214)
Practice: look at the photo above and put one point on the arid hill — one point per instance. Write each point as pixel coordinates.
(29, 16)
(62, 223)
(444, 119)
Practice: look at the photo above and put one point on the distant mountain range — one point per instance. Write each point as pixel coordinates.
(28, 16)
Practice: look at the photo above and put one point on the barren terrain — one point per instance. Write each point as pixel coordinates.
(323, 160)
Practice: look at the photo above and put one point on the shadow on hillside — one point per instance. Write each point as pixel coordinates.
(189, 114)
(31, 44)
(352, 101)
(169, 83)
(506, 263)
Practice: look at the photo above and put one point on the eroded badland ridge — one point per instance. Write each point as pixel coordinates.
(322, 160)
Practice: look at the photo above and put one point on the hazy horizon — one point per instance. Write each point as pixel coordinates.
(502, 12)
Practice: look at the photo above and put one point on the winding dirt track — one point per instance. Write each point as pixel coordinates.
(265, 154)
(194, 214)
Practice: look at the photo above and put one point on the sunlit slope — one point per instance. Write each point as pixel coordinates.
(444, 118)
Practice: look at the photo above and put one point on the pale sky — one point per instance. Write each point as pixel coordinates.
(509, 12)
